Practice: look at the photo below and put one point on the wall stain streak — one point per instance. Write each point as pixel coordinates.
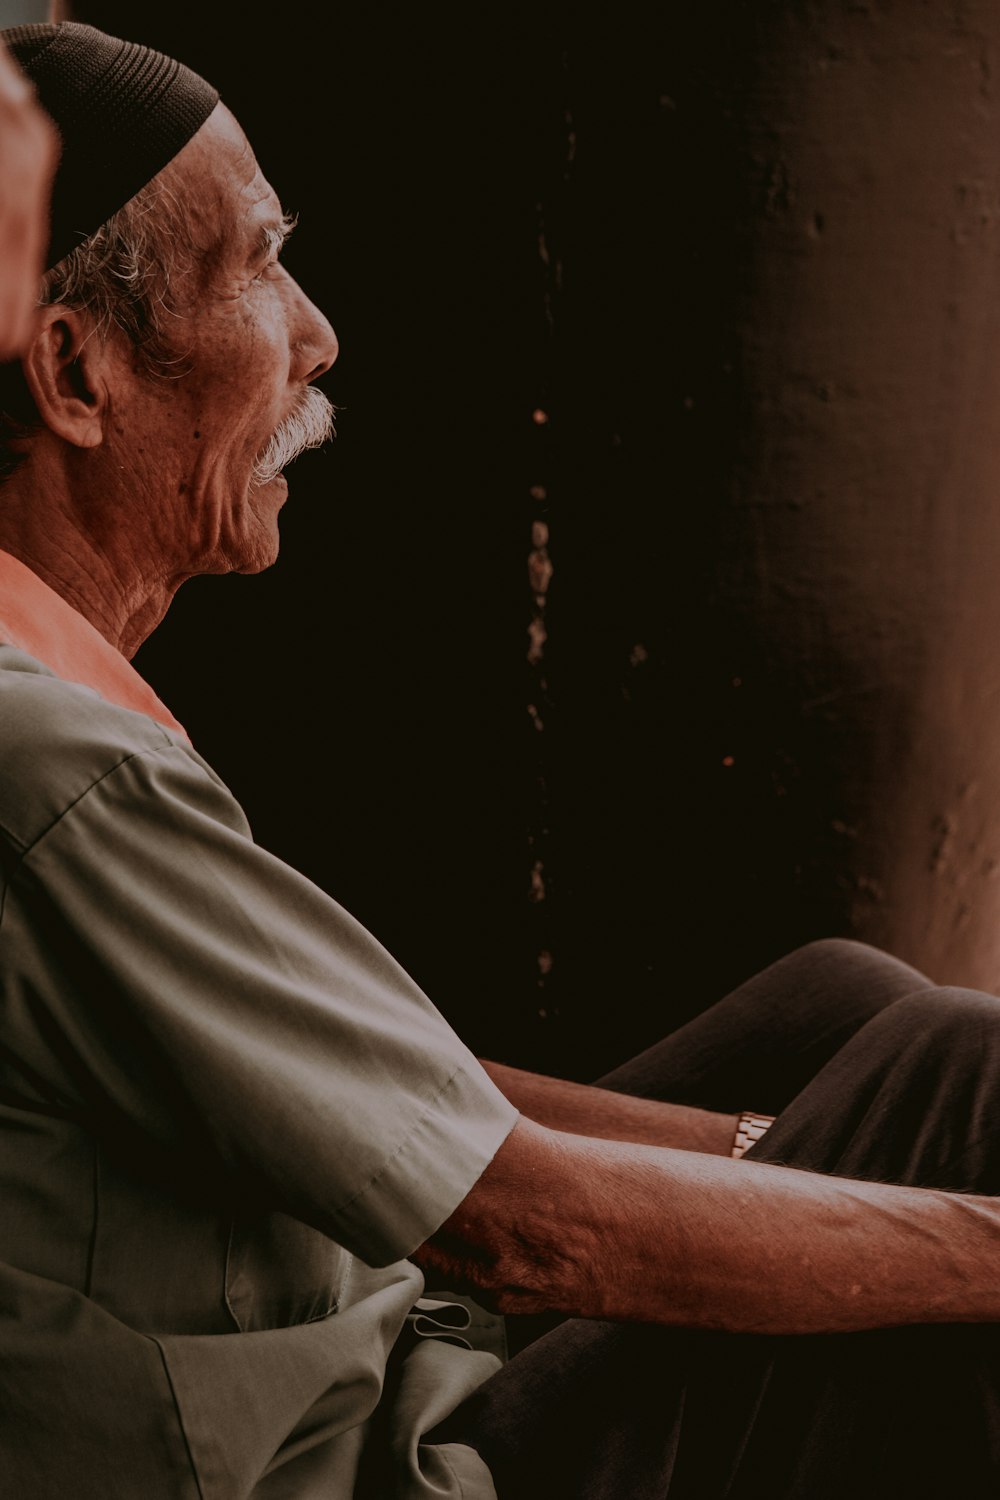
(561, 155)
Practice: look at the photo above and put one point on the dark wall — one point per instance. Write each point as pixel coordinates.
(590, 674)
(490, 232)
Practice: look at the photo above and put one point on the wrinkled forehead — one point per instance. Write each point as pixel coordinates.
(220, 190)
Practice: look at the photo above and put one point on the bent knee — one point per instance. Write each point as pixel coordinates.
(945, 1015)
(849, 962)
(837, 950)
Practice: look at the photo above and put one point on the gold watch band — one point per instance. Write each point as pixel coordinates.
(749, 1129)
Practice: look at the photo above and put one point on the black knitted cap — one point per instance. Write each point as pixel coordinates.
(122, 111)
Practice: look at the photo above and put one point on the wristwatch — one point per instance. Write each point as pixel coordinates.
(749, 1129)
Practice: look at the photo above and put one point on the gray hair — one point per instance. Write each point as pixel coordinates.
(124, 276)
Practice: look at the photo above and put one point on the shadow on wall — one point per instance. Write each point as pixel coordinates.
(640, 625)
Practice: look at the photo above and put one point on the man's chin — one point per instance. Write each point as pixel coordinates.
(260, 545)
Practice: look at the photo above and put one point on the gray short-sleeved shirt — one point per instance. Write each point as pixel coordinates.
(226, 1116)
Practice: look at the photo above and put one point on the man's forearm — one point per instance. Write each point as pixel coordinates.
(581, 1109)
(610, 1230)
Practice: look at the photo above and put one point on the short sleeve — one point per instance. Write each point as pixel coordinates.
(170, 974)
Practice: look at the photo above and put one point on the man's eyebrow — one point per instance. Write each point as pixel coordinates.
(272, 237)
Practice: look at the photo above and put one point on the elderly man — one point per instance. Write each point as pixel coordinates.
(227, 1117)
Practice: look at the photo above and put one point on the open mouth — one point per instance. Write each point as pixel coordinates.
(309, 425)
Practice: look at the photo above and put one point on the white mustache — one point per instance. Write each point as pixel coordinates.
(310, 425)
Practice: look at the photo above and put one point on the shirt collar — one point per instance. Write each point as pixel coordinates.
(36, 619)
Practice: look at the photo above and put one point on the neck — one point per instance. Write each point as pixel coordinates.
(85, 551)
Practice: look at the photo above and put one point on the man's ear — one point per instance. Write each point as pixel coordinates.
(64, 367)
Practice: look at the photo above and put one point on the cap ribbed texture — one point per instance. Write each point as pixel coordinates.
(122, 111)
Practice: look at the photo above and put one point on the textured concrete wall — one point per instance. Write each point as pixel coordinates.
(859, 555)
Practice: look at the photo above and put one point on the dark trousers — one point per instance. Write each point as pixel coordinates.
(875, 1074)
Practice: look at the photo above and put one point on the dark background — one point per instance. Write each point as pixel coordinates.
(699, 307)
(496, 223)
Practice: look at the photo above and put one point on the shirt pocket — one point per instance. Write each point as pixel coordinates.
(280, 1272)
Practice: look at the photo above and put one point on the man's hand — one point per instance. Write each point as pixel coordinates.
(606, 1229)
(28, 150)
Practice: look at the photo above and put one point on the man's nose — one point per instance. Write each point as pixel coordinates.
(316, 345)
